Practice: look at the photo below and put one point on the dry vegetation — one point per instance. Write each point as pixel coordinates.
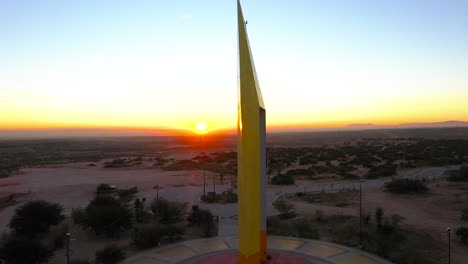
(422, 217)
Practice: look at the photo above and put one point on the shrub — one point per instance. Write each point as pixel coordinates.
(282, 179)
(19, 250)
(111, 254)
(79, 261)
(305, 229)
(319, 215)
(57, 236)
(273, 222)
(103, 188)
(150, 235)
(167, 211)
(197, 216)
(378, 217)
(303, 172)
(147, 236)
(229, 196)
(127, 194)
(405, 186)
(464, 214)
(172, 232)
(462, 234)
(117, 163)
(35, 217)
(276, 227)
(385, 170)
(459, 175)
(107, 215)
(204, 219)
(285, 208)
(78, 215)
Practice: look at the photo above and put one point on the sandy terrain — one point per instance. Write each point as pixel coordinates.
(73, 185)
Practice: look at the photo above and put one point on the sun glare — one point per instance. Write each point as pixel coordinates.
(201, 127)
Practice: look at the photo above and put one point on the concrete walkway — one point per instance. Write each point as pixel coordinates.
(193, 251)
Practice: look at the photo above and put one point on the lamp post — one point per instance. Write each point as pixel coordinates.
(157, 187)
(68, 235)
(448, 236)
(360, 215)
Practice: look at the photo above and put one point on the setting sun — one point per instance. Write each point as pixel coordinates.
(201, 127)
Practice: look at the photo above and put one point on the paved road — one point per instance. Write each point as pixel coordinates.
(228, 212)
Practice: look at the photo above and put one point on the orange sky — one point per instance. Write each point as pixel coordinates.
(324, 65)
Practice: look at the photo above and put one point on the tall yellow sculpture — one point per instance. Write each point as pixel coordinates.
(251, 172)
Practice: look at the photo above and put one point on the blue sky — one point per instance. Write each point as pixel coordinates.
(173, 63)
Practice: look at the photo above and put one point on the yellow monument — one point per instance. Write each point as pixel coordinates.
(251, 172)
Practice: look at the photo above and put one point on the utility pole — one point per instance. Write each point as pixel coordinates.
(157, 187)
(360, 215)
(448, 235)
(68, 235)
(214, 184)
(404, 159)
(204, 181)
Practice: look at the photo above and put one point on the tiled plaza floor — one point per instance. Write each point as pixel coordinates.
(283, 250)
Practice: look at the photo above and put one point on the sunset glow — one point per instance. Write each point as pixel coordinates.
(161, 65)
(201, 127)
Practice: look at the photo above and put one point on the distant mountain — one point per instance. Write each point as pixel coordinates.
(451, 123)
(367, 126)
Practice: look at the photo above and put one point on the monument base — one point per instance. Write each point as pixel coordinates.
(277, 257)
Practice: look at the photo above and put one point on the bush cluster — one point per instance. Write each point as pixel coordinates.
(30, 223)
(462, 234)
(385, 170)
(204, 219)
(168, 212)
(299, 228)
(35, 217)
(104, 215)
(285, 208)
(150, 235)
(282, 179)
(228, 196)
(406, 186)
(111, 254)
(459, 175)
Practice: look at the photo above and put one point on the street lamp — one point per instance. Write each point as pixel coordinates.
(68, 235)
(448, 235)
(360, 215)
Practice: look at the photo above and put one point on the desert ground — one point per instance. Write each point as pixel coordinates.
(68, 172)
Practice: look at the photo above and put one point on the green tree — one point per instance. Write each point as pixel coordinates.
(111, 254)
(167, 211)
(462, 234)
(35, 217)
(379, 217)
(22, 250)
(204, 219)
(106, 215)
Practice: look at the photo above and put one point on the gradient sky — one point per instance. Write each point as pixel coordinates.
(172, 64)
